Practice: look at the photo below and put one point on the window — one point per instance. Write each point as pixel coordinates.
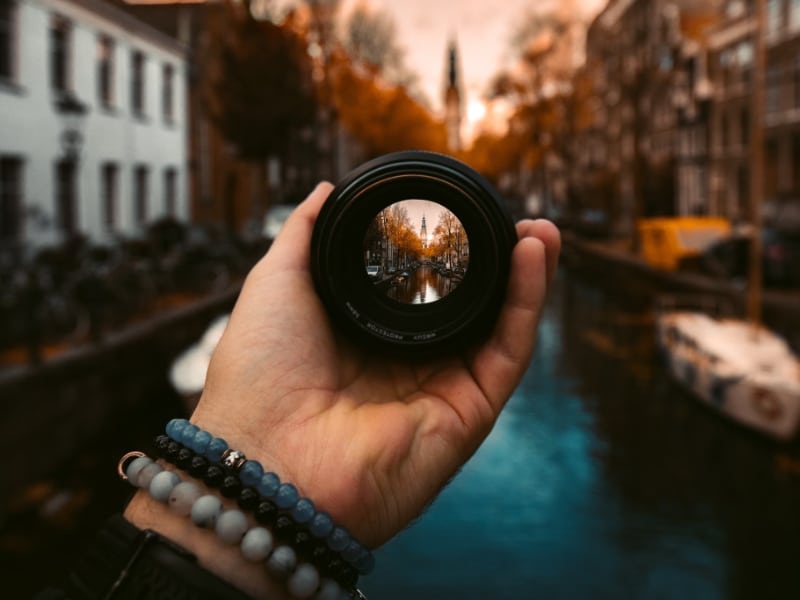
(105, 70)
(168, 92)
(744, 126)
(108, 194)
(140, 194)
(60, 39)
(774, 15)
(794, 15)
(137, 83)
(170, 190)
(66, 195)
(773, 89)
(10, 198)
(8, 23)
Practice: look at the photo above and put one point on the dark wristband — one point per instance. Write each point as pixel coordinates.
(127, 562)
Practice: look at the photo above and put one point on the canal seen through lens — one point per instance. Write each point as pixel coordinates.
(603, 479)
(421, 284)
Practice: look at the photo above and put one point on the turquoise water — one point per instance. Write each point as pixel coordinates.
(601, 480)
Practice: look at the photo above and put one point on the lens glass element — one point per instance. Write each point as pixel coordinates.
(415, 252)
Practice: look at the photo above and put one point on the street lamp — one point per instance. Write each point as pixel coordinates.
(73, 112)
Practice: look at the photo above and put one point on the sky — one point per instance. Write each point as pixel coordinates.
(482, 29)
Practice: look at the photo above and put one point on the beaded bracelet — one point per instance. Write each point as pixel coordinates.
(232, 464)
(312, 544)
(231, 526)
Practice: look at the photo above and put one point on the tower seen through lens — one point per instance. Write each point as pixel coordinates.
(416, 251)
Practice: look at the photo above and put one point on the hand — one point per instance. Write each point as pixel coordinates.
(368, 439)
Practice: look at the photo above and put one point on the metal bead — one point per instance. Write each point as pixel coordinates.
(233, 459)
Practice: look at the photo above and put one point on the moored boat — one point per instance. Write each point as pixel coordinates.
(744, 371)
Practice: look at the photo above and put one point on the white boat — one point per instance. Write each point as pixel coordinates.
(744, 371)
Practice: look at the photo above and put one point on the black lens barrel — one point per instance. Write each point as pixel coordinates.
(466, 314)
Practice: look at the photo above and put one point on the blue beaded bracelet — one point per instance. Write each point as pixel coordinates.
(256, 543)
(266, 512)
(268, 484)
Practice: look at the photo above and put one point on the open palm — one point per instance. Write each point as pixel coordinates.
(368, 438)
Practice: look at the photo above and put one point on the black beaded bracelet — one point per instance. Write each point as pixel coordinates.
(219, 476)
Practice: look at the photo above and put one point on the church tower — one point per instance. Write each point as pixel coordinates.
(423, 233)
(452, 99)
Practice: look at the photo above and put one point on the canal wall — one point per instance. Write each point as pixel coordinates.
(51, 412)
(613, 266)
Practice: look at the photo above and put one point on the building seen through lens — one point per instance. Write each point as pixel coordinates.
(416, 251)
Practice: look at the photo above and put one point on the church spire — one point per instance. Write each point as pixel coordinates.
(452, 98)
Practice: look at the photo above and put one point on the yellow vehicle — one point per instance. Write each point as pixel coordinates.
(665, 241)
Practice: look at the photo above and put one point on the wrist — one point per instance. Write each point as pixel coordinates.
(224, 561)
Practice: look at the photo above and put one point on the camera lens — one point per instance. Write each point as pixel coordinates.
(411, 251)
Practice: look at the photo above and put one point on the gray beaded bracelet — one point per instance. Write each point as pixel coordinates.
(231, 527)
(269, 485)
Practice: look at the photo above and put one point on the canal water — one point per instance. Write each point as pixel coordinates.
(602, 479)
(421, 286)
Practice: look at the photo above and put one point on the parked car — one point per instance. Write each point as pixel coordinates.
(374, 271)
(729, 258)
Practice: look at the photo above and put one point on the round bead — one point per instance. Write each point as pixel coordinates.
(287, 496)
(320, 555)
(321, 525)
(284, 528)
(215, 449)
(206, 510)
(248, 498)
(352, 551)
(175, 427)
(162, 484)
(135, 467)
(187, 434)
(199, 443)
(231, 526)
(146, 475)
(184, 458)
(303, 511)
(266, 512)
(303, 543)
(338, 539)
(365, 563)
(160, 444)
(269, 484)
(329, 590)
(251, 473)
(183, 496)
(214, 475)
(282, 562)
(230, 486)
(198, 466)
(303, 582)
(171, 453)
(256, 544)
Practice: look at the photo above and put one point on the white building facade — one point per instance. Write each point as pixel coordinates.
(93, 123)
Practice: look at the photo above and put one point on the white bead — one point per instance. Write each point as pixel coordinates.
(282, 561)
(146, 475)
(257, 544)
(136, 466)
(183, 496)
(231, 526)
(328, 590)
(206, 510)
(304, 581)
(162, 484)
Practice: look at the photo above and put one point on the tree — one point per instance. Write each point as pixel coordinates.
(258, 88)
(370, 40)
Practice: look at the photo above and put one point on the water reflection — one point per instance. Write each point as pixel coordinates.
(422, 285)
(602, 479)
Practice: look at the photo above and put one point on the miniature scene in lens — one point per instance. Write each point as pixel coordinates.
(416, 251)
